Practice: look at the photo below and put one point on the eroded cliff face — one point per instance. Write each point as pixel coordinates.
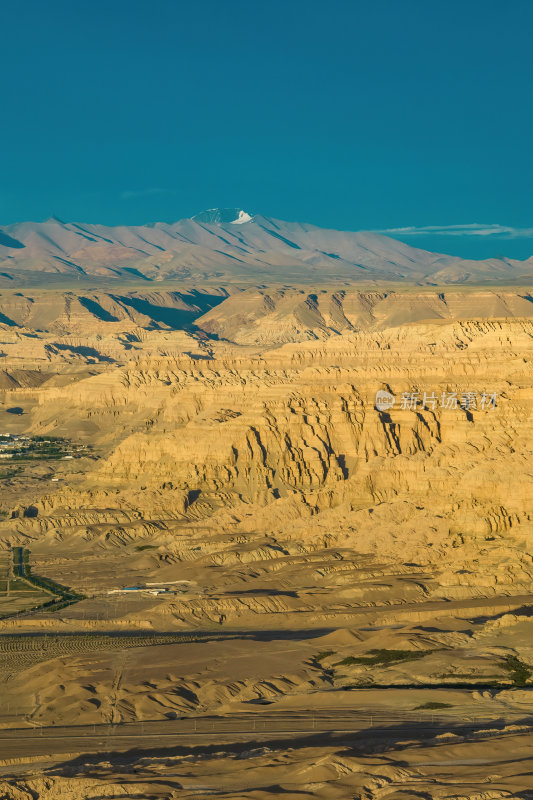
(288, 443)
(271, 315)
(295, 548)
(91, 312)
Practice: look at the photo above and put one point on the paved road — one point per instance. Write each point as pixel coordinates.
(49, 741)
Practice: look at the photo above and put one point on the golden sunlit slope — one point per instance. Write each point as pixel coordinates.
(291, 550)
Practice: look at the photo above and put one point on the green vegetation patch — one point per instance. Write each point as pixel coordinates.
(519, 672)
(324, 654)
(22, 564)
(47, 448)
(378, 658)
(56, 596)
(433, 705)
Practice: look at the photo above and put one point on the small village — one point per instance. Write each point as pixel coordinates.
(22, 447)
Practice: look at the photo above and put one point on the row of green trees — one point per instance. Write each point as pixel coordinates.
(65, 595)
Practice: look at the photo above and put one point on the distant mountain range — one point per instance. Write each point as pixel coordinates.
(231, 245)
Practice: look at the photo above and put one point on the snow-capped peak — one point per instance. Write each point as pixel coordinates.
(243, 217)
(223, 216)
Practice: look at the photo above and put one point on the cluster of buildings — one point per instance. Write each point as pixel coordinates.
(11, 441)
(20, 444)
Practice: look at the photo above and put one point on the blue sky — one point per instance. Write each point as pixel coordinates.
(374, 115)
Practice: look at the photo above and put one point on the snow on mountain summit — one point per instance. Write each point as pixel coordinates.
(223, 216)
(209, 244)
(243, 217)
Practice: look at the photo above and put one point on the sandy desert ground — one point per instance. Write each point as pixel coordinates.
(258, 584)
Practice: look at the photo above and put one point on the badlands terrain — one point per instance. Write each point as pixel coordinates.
(226, 573)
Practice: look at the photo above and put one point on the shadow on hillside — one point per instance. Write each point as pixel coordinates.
(175, 318)
(399, 736)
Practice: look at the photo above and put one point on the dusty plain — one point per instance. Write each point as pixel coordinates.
(280, 591)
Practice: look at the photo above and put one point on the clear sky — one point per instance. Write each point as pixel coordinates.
(381, 114)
